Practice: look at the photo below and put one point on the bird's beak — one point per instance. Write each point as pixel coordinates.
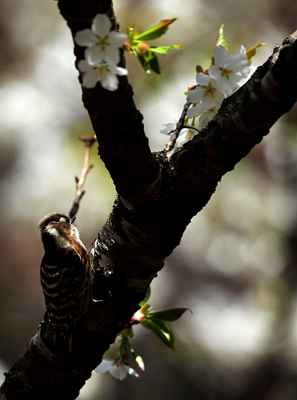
(72, 219)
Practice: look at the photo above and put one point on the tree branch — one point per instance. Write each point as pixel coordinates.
(179, 127)
(116, 121)
(242, 121)
(79, 182)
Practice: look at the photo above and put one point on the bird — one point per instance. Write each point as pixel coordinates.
(66, 276)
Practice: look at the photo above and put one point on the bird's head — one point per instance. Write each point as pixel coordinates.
(58, 229)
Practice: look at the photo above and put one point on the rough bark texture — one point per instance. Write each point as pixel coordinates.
(158, 194)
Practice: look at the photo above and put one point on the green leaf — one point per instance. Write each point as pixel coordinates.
(141, 59)
(161, 330)
(154, 65)
(221, 40)
(156, 31)
(147, 57)
(165, 49)
(172, 314)
(148, 61)
(251, 52)
(147, 296)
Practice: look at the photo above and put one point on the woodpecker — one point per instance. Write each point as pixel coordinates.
(66, 277)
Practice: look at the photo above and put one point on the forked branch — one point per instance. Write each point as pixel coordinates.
(79, 182)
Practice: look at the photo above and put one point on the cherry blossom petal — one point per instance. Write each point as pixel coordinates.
(195, 111)
(168, 128)
(117, 39)
(118, 373)
(90, 78)
(118, 70)
(84, 66)
(108, 76)
(85, 38)
(109, 81)
(206, 117)
(245, 75)
(202, 79)
(187, 134)
(104, 366)
(220, 54)
(103, 72)
(242, 49)
(94, 55)
(101, 25)
(210, 101)
(215, 72)
(238, 61)
(225, 86)
(111, 55)
(233, 79)
(196, 95)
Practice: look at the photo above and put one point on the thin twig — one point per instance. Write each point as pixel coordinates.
(179, 126)
(85, 170)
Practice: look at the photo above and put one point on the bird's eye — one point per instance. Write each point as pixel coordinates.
(52, 223)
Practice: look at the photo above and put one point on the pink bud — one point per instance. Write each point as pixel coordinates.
(140, 363)
(138, 316)
(119, 362)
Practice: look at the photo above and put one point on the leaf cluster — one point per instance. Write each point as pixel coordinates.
(146, 54)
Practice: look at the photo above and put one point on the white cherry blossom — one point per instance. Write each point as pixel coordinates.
(195, 111)
(102, 44)
(206, 95)
(184, 136)
(245, 75)
(104, 73)
(207, 116)
(117, 371)
(227, 68)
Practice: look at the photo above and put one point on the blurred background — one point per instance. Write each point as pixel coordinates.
(236, 265)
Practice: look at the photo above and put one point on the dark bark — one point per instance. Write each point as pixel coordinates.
(117, 123)
(158, 196)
